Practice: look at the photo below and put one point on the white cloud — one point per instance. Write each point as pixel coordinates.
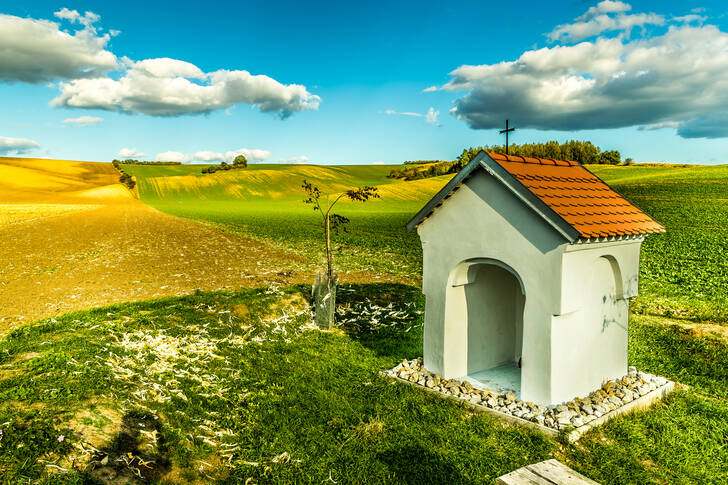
(580, 30)
(430, 89)
(679, 75)
(402, 113)
(37, 51)
(252, 155)
(606, 6)
(126, 153)
(88, 19)
(659, 126)
(170, 87)
(16, 146)
(431, 117)
(690, 18)
(83, 120)
(300, 159)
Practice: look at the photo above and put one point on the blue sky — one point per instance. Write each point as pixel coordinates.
(345, 80)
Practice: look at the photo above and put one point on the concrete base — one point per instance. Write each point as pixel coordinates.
(502, 379)
(573, 434)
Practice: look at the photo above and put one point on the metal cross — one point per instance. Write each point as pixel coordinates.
(506, 131)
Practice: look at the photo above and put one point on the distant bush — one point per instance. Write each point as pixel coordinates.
(422, 162)
(124, 177)
(130, 161)
(127, 180)
(239, 162)
(417, 170)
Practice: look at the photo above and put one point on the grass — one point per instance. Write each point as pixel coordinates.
(684, 273)
(228, 387)
(264, 202)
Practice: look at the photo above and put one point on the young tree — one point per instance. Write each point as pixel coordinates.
(331, 222)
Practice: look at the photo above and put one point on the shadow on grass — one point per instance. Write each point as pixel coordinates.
(416, 464)
(386, 318)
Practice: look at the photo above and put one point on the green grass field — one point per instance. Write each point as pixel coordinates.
(684, 272)
(239, 388)
(265, 202)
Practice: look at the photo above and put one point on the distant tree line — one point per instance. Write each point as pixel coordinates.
(577, 151)
(423, 170)
(574, 150)
(124, 177)
(423, 162)
(238, 163)
(138, 162)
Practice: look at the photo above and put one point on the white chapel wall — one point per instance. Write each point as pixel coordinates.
(466, 227)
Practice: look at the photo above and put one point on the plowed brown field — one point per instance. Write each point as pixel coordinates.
(72, 239)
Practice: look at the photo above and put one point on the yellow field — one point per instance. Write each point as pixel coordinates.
(29, 180)
(16, 213)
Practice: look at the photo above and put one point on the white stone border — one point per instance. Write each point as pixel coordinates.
(572, 433)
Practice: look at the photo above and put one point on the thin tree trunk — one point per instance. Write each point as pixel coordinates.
(329, 265)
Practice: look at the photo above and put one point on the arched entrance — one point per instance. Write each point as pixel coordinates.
(493, 298)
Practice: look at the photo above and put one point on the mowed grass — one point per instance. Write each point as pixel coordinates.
(240, 388)
(684, 273)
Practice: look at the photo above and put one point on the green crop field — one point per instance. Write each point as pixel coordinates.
(684, 272)
(265, 202)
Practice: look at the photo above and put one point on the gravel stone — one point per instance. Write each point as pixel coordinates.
(575, 413)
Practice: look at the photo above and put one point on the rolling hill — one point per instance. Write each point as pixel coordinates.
(31, 180)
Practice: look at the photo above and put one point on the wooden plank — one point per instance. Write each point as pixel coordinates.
(556, 472)
(522, 476)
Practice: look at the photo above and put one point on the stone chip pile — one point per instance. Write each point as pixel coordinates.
(572, 414)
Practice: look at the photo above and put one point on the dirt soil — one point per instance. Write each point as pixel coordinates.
(60, 261)
(73, 238)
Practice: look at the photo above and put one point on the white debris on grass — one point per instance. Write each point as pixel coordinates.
(162, 364)
(368, 316)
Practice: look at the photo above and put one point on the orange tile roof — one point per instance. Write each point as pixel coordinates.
(581, 198)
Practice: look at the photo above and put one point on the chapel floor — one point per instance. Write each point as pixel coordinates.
(505, 378)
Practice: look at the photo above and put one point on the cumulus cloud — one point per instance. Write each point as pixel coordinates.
(252, 155)
(712, 125)
(170, 87)
(430, 89)
(431, 116)
(131, 153)
(678, 76)
(37, 51)
(16, 146)
(83, 120)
